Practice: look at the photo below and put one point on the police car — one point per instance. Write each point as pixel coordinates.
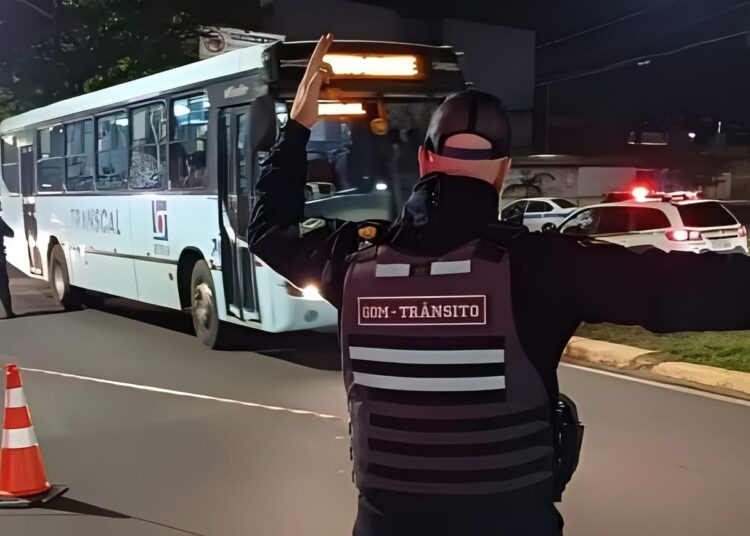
(536, 212)
(671, 222)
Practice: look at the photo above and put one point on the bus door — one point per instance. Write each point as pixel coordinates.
(28, 187)
(236, 172)
(12, 210)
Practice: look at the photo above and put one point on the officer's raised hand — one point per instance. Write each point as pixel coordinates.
(305, 107)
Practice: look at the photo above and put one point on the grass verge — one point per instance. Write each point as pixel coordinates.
(728, 350)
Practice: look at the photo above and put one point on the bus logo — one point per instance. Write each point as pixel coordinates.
(159, 217)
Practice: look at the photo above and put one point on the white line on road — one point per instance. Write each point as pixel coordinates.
(185, 394)
(197, 396)
(678, 388)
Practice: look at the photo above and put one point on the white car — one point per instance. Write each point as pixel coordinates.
(538, 211)
(696, 226)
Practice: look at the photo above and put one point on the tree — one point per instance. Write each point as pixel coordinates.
(92, 44)
(531, 185)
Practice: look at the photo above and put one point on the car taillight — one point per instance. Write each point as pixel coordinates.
(742, 231)
(682, 235)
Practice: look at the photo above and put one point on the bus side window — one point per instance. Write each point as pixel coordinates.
(112, 146)
(79, 156)
(50, 167)
(148, 154)
(10, 164)
(187, 146)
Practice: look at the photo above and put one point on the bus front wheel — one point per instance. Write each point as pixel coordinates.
(203, 306)
(59, 280)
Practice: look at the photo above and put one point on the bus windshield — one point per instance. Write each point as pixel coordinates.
(352, 166)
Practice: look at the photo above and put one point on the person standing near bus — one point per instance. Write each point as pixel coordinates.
(5, 298)
(449, 337)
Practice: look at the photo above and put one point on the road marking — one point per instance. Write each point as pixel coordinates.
(185, 394)
(197, 396)
(678, 388)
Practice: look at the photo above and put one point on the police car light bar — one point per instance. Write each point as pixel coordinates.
(640, 193)
(384, 66)
(340, 109)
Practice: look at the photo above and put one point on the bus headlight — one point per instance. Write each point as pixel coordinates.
(311, 292)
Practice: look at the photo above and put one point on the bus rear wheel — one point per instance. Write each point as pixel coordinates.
(203, 306)
(59, 280)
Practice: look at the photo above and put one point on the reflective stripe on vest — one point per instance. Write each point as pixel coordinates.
(436, 268)
(441, 395)
(427, 357)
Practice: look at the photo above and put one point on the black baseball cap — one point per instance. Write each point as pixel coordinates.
(470, 112)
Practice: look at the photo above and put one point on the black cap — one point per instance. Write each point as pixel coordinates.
(470, 112)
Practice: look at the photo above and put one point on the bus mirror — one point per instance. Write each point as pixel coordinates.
(380, 126)
(264, 127)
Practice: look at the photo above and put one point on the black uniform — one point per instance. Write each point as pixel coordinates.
(557, 282)
(5, 299)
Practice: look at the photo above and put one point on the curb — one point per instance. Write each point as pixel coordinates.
(605, 353)
(704, 375)
(622, 357)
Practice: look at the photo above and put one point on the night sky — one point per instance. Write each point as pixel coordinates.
(694, 88)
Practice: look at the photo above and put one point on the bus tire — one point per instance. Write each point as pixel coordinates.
(203, 306)
(59, 280)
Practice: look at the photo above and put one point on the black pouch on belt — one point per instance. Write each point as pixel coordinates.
(568, 441)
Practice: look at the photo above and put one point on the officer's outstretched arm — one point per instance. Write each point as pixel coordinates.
(305, 252)
(661, 291)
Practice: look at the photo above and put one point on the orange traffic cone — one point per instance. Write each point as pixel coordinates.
(23, 481)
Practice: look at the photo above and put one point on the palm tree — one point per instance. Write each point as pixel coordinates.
(531, 185)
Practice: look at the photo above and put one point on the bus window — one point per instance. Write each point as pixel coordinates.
(10, 164)
(409, 123)
(112, 149)
(79, 156)
(187, 149)
(346, 153)
(244, 156)
(148, 153)
(50, 167)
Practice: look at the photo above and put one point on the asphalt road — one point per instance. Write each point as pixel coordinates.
(156, 435)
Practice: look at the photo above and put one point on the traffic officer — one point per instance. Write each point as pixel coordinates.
(452, 324)
(4, 281)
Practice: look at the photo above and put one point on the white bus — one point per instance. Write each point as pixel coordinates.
(144, 190)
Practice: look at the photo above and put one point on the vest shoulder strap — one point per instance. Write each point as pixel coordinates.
(490, 251)
(363, 255)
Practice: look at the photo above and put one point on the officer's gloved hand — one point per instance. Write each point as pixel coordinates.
(305, 106)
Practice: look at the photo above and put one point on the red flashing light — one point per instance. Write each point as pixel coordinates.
(640, 193)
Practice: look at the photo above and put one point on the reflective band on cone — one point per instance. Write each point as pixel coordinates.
(19, 439)
(21, 467)
(14, 398)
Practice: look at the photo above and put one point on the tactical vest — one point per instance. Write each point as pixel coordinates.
(442, 398)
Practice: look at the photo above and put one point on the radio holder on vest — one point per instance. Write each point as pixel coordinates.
(568, 442)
